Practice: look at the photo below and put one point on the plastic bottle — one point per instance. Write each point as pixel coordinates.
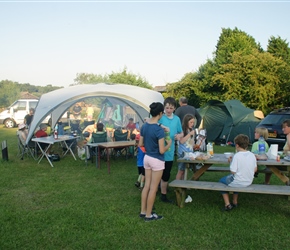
(167, 137)
(55, 134)
(262, 146)
(209, 149)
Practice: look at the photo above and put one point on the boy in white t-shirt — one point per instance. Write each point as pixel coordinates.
(243, 166)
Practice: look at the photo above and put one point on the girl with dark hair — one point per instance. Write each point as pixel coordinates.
(152, 138)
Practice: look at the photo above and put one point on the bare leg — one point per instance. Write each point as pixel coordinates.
(226, 199)
(155, 180)
(180, 175)
(235, 199)
(142, 181)
(145, 191)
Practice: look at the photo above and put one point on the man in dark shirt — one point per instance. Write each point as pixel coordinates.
(28, 118)
(77, 109)
(185, 109)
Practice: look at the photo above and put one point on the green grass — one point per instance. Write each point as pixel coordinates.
(74, 206)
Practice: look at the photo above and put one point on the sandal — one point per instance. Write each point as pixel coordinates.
(228, 207)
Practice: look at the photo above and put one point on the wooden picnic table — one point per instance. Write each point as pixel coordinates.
(113, 145)
(280, 168)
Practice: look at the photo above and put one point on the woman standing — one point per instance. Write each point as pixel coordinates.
(152, 137)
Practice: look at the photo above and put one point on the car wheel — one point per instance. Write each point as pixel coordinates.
(9, 123)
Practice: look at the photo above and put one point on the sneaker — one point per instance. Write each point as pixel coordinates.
(137, 184)
(153, 217)
(142, 216)
(228, 208)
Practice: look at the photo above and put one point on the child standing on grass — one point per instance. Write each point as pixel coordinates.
(172, 122)
(152, 137)
(141, 178)
(186, 143)
(140, 164)
(243, 166)
(255, 149)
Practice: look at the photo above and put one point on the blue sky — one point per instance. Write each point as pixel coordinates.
(50, 42)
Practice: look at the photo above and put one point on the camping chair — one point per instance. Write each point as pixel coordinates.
(87, 123)
(119, 135)
(97, 138)
(29, 149)
(75, 126)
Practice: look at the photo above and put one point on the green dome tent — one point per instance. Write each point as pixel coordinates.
(223, 121)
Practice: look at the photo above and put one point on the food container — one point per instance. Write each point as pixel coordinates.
(228, 154)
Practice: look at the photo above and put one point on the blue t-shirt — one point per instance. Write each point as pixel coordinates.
(151, 134)
(174, 125)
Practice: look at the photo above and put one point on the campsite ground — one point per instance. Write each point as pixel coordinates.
(74, 206)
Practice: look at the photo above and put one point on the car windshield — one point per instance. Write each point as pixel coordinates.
(275, 119)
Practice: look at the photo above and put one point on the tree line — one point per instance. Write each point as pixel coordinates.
(239, 69)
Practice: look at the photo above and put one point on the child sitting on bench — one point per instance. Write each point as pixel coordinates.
(243, 166)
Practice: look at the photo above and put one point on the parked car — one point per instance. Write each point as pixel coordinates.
(273, 122)
(15, 113)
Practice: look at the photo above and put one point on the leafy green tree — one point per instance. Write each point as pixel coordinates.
(279, 48)
(254, 79)
(231, 41)
(185, 88)
(240, 69)
(84, 78)
(123, 77)
(126, 77)
(9, 92)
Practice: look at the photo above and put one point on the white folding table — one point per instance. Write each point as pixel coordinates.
(49, 140)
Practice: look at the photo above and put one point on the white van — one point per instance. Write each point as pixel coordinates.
(15, 114)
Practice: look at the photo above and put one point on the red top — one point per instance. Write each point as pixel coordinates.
(131, 126)
(40, 133)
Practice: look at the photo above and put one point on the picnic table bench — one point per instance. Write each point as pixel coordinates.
(182, 185)
(280, 169)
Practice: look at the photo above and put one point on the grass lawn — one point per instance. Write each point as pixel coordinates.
(74, 206)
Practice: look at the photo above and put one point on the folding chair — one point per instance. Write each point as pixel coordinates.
(29, 149)
(119, 135)
(97, 138)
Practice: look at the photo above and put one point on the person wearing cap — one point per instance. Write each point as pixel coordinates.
(22, 132)
(28, 118)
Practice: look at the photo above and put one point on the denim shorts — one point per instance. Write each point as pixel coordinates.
(227, 179)
(181, 166)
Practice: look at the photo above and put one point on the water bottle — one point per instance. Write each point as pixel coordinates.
(262, 146)
(209, 149)
(55, 135)
(167, 137)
